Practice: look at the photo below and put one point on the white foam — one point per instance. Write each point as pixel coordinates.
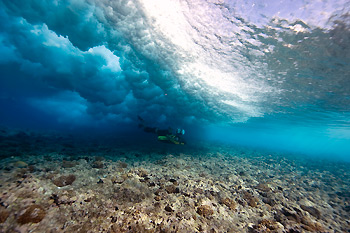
(189, 59)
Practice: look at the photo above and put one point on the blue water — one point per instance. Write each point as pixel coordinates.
(267, 75)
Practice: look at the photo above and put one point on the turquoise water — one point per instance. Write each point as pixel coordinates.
(268, 75)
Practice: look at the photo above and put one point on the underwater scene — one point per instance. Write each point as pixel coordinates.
(174, 116)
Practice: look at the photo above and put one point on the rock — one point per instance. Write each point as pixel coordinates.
(31, 168)
(291, 215)
(205, 210)
(113, 219)
(32, 214)
(172, 189)
(266, 225)
(269, 198)
(69, 164)
(4, 214)
(142, 172)
(100, 181)
(168, 208)
(131, 195)
(347, 208)
(151, 184)
(64, 200)
(122, 164)
(64, 180)
(309, 225)
(157, 192)
(250, 199)
(270, 201)
(242, 173)
(263, 187)
(229, 203)
(97, 164)
(20, 164)
(312, 210)
(138, 155)
(117, 180)
(99, 158)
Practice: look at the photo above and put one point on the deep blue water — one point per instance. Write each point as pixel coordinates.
(272, 75)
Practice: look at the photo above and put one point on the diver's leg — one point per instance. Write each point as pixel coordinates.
(150, 129)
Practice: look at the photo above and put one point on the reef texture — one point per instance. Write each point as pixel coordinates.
(207, 188)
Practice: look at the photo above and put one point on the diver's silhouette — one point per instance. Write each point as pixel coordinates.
(164, 135)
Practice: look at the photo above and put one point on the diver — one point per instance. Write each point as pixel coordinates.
(164, 135)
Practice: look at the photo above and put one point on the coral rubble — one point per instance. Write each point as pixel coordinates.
(208, 189)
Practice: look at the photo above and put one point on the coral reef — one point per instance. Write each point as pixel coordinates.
(64, 180)
(31, 214)
(205, 210)
(97, 164)
(229, 203)
(4, 214)
(206, 188)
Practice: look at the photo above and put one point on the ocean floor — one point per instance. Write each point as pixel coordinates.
(52, 183)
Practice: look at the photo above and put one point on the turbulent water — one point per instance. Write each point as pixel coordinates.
(272, 74)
